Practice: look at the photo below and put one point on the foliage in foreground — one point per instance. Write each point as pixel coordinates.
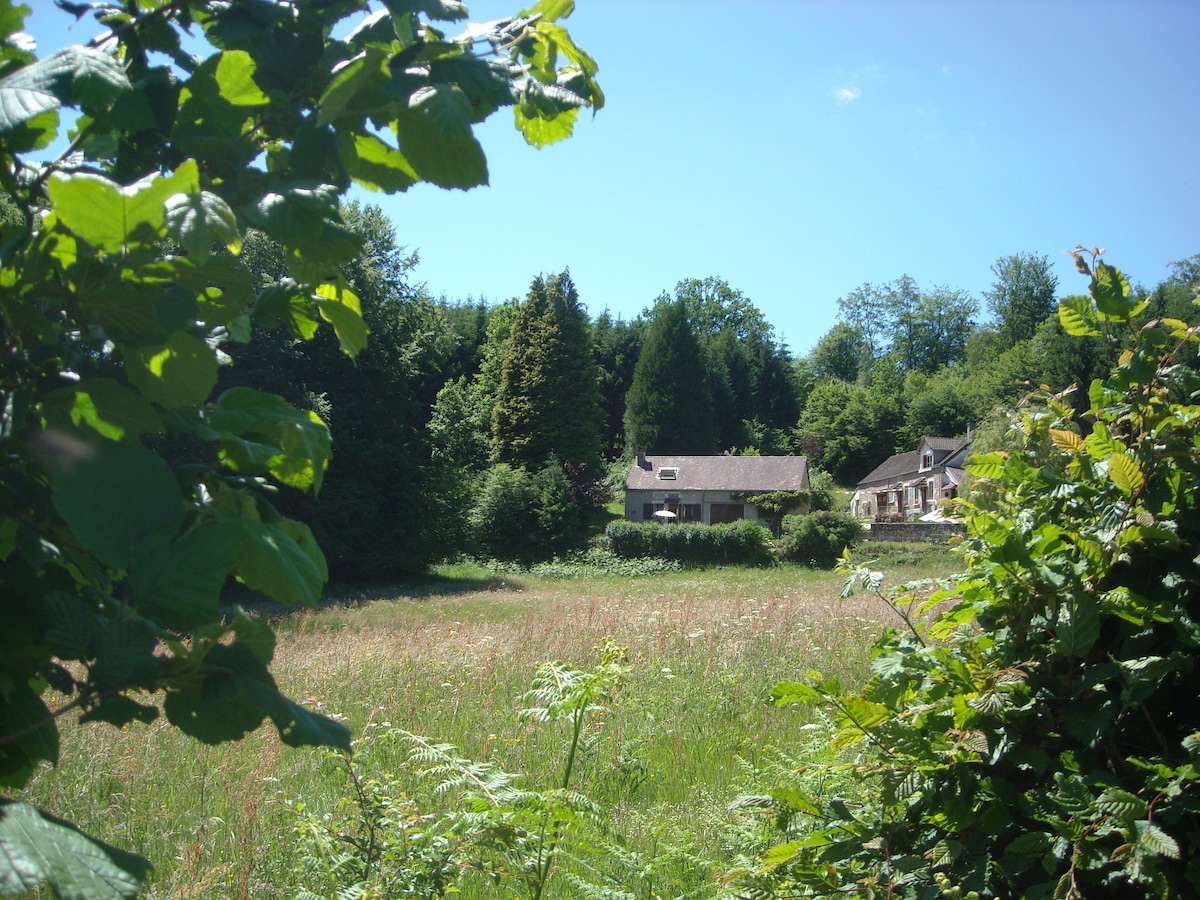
(121, 281)
(485, 823)
(1039, 738)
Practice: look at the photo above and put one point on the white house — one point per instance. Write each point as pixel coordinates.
(708, 489)
(913, 484)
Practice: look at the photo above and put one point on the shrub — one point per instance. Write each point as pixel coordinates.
(525, 517)
(737, 543)
(818, 539)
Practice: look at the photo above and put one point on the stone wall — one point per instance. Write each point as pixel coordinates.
(928, 532)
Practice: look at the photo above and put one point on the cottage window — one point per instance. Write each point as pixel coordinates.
(668, 473)
(926, 460)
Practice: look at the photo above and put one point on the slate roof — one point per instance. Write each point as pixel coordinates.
(951, 445)
(895, 467)
(908, 465)
(757, 474)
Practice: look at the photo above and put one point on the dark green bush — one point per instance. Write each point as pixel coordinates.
(818, 539)
(525, 517)
(738, 543)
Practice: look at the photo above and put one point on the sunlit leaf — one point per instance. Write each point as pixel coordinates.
(1067, 441)
(181, 372)
(1078, 317)
(198, 220)
(271, 561)
(340, 307)
(71, 76)
(1126, 473)
(435, 136)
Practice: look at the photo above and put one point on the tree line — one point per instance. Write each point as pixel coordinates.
(496, 430)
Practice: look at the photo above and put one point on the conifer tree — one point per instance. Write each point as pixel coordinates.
(548, 400)
(669, 408)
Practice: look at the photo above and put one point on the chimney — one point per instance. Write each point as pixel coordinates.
(642, 461)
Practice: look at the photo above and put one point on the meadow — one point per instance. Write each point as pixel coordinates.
(452, 659)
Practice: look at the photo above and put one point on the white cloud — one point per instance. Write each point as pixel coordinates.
(847, 95)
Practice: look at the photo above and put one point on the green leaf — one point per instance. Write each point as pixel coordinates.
(110, 217)
(1032, 844)
(263, 433)
(1101, 444)
(1121, 803)
(435, 137)
(796, 799)
(104, 405)
(114, 495)
(285, 305)
(340, 307)
(438, 10)
(273, 562)
(24, 714)
(786, 693)
(9, 528)
(541, 130)
(1078, 626)
(219, 703)
(1126, 473)
(39, 849)
(73, 75)
(296, 215)
(199, 220)
(365, 77)
(988, 465)
(181, 372)
(1110, 290)
(255, 635)
(782, 853)
(1078, 317)
(376, 165)
(234, 72)
(179, 584)
(1154, 840)
(300, 727)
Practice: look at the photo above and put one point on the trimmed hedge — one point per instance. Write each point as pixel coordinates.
(818, 539)
(738, 543)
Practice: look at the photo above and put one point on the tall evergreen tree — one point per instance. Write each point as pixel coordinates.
(617, 344)
(548, 399)
(669, 408)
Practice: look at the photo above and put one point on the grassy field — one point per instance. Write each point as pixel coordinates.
(452, 659)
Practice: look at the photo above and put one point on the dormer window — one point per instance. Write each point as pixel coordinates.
(926, 460)
(668, 473)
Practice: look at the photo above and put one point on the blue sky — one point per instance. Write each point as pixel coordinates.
(800, 149)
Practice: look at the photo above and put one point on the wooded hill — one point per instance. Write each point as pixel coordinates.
(491, 429)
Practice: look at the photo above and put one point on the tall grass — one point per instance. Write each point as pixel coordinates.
(452, 659)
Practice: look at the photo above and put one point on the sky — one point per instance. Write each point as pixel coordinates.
(798, 150)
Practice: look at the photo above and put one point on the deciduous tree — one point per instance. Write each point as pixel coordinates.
(1022, 297)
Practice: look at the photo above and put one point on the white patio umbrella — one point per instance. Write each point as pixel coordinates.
(664, 514)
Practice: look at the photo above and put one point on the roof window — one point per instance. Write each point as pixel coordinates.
(668, 473)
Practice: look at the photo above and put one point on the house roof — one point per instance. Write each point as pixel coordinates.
(905, 466)
(720, 473)
(895, 468)
(950, 445)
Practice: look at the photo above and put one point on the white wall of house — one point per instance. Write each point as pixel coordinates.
(676, 501)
